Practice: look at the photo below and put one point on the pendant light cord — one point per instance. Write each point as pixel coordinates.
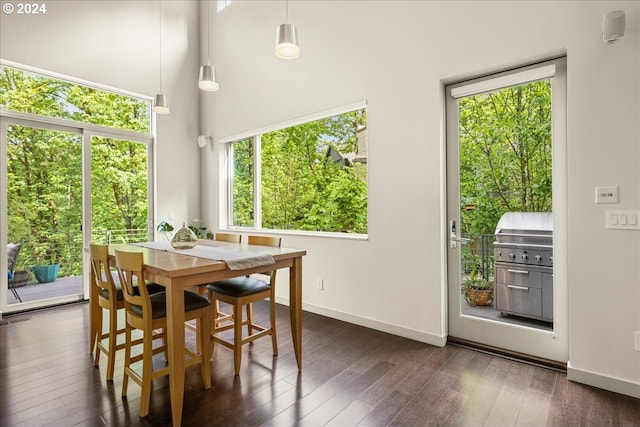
(286, 7)
(208, 33)
(160, 30)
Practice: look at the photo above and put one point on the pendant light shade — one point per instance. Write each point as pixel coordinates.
(207, 79)
(161, 104)
(287, 42)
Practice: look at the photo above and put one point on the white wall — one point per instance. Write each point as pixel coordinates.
(396, 55)
(117, 44)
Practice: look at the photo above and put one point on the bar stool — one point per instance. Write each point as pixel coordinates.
(110, 298)
(231, 238)
(242, 292)
(147, 312)
(202, 290)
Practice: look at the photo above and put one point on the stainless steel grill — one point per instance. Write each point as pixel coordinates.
(523, 265)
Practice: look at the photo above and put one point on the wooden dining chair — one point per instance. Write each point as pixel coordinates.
(110, 298)
(147, 312)
(228, 237)
(202, 289)
(231, 238)
(242, 292)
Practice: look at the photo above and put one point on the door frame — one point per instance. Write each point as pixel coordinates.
(525, 340)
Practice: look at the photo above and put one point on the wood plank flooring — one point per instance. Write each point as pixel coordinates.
(352, 376)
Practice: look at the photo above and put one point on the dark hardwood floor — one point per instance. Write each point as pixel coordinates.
(351, 376)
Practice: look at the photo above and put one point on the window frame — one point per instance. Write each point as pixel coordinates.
(226, 176)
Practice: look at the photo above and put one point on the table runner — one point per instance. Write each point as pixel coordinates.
(235, 260)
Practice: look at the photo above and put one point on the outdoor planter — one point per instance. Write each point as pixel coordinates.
(479, 296)
(476, 289)
(46, 273)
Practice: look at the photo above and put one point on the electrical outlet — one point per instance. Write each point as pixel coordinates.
(637, 341)
(320, 284)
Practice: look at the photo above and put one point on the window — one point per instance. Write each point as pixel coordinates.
(505, 144)
(35, 93)
(310, 176)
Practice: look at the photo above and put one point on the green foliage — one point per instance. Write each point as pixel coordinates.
(49, 97)
(243, 183)
(307, 181)
(505, 155)
(476, 281)
(44, 169)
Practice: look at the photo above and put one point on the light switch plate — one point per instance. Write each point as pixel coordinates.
(622, 220)
(607, 194)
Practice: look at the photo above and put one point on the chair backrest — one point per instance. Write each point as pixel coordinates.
(265, 241)
(228, 237)
(101, 267)
(130, 271)
(275, 242)
(12, 253)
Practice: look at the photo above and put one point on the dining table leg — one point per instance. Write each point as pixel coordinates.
(295, 308)
(175, 350)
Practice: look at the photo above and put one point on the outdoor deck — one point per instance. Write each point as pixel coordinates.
(38, 291)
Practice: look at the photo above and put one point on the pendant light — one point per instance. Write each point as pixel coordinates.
(207, 78)
(287, 39)
(160, 101)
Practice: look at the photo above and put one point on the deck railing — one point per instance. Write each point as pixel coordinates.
(478, 254)
(66, 249)
(127, 236)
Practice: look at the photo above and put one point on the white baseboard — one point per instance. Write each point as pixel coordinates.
(436, 340)
(605, 382)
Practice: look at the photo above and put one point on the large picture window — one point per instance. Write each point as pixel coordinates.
(309, 176)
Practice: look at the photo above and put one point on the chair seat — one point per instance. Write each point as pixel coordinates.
(239, 286)
(192, 301)
(152, 288)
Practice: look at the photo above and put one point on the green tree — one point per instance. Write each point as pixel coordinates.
(308, 182)
(44, 167)
(505, 155)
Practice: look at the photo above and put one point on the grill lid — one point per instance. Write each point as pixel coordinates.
(540, 222)
(525, 228)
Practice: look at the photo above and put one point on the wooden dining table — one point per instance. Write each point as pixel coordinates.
(176, 271)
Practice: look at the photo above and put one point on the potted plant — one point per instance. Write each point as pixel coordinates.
(166, 229)
(47, 272)
(199, 230)
(477, 289)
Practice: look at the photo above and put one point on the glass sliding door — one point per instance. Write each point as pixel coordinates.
(43, 215)
(57, 135)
